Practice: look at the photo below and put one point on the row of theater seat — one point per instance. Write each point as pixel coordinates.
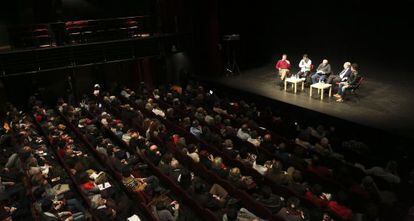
(233, 163)
(201, 171)
(204, 214)
(77, 32)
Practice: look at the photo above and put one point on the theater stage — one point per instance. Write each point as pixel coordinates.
(383, 102)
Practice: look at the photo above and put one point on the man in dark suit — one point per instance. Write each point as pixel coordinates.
(342, 76)
(350, 84)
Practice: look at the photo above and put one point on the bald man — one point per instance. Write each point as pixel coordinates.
(324, 69)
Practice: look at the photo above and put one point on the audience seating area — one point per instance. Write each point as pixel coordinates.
(184, 153)
(81, 31)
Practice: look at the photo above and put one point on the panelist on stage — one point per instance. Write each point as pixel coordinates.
(324, 69)
(305, 66)
(283, 66)
(350, 84)
(342, 76)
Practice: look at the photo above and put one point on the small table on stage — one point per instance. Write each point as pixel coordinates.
(294, 81)
(321, 86)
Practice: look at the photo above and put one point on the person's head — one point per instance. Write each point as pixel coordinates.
(174, 163)
(199, 187)
(392, 167)
(83, 178)
(161, 206)
(47, 205)
(284, 57)
(235, 171)
(354, 67)
(126, 172)
(293, 203)
(316, 189)
(195, 123)
(245, 128)
(153, 148)
(324, 142)
(267, 137)
(218, 161)
(347, 65)
(167, 158)
(305, 56)
(297, 176)
(266, 192)
(325, 61)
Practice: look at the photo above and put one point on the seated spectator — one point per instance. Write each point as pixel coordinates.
(297, 184)
(389, 173)
(157, 111)
(196, 129)
(243, 182)
(132, 183)
(51, 213)
(323, 147)
(317, 168)
(167, 213)
(270, 200)
(316, 197)
(243, 133)
(336, 205)
(254, 139)
(153, 154)
(291, 212)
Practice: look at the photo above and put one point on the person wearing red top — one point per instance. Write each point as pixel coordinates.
(283, 66)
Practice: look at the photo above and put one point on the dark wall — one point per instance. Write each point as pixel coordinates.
(366, 31)
(51, 85)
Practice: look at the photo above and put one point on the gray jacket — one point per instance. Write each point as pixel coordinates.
(325, 69)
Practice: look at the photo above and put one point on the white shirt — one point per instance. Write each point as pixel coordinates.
(341, 75)
(305, 66)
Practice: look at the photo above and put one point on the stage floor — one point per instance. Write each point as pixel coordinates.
(384, 102)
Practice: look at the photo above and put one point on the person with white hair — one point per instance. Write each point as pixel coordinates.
(324, 69)
(342, 76)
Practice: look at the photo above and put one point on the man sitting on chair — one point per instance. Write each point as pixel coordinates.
(305, 67)
(342, 76)
(283, 66)
(322, 72)
(350, 84)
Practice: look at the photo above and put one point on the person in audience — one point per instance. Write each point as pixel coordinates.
(243, 132)
(283, 67)
(153, 154)
(322, 72)
(389, 173)
(196, 129)
(271, 201)
(292, 211)
(342, 76)
(351, 83)
(206, 199)
(167, 212)
(305, 66)
(132, 183)
(316, 167)
(51, 213)
(242, 182)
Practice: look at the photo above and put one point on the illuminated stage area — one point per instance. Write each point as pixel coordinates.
(382, 102)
